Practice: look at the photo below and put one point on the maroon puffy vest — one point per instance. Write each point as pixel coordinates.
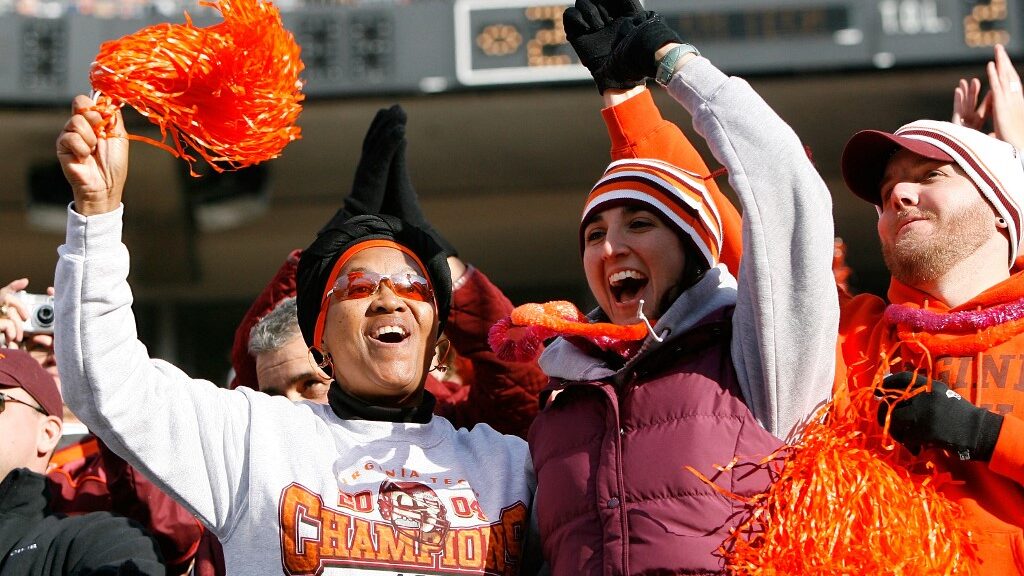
(614, 496)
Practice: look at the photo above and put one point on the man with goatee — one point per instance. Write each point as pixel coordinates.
(950, 201)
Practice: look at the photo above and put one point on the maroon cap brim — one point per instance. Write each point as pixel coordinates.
(867, 154)
(19, 370)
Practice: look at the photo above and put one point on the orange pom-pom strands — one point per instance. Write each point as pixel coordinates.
(847, 499)
(230, 92)
(107, 110)
(519, 338)
(838, 509)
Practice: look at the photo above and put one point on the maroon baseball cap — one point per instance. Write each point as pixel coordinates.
(20, 370)
(868, 153)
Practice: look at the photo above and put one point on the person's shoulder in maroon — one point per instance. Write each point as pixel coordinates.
(501, 394)
(87, 477)
(281, 286)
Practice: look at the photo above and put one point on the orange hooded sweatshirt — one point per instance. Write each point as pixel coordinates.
(982, 358)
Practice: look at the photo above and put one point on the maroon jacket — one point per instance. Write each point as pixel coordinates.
(614, 496)
(501, 394)
(87, 477)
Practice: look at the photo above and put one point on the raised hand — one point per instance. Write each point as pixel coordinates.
(591, 29)
(967, 111)
(95, 165)
(385, 134)
(401, 200)
(1007, 107)
(637, 40)
(1003, 105)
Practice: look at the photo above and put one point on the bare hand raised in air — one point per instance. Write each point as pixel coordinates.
(95, 166)
(1003, 105)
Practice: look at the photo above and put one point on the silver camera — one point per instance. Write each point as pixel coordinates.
(40, 312)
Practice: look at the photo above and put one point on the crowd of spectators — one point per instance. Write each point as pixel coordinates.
(373, 424)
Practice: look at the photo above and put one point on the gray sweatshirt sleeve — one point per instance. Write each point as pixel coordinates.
(186, 435)
(787, 311)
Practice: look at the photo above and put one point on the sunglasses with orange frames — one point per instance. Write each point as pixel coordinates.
(363, 284)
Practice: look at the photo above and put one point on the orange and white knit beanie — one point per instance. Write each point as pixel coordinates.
(678, 195)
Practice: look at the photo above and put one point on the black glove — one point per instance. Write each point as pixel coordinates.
(637, 39)
(591, 29)
(400, 200)
(939, 418)
(382, 140)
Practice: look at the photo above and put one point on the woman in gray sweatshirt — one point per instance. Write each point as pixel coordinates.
(370, 482)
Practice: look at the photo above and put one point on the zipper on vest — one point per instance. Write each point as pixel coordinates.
(620, 477)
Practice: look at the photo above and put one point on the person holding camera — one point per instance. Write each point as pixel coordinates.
(36, 539)
(84, 475)
(12, 314)
(26, 323)
(23, 314)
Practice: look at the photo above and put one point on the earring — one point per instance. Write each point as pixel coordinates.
(1000, 222)
(321, 362)
(442, 358)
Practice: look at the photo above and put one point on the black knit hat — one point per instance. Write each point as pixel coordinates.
(333, 240)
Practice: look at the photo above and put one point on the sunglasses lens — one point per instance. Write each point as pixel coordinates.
(359, 285)
(365, 284)
(412, 287)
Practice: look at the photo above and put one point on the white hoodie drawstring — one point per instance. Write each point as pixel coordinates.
(642, 317)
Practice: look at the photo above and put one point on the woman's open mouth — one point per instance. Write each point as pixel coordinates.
(390, 334)
(626, 285)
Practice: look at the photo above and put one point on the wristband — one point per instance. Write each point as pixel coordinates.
(667, 66)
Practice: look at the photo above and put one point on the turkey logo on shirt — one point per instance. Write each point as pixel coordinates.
(415, 512)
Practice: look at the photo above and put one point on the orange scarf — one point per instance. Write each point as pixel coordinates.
(987, 320)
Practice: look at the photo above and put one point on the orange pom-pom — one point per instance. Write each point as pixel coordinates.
(230, 92)
(848, 500)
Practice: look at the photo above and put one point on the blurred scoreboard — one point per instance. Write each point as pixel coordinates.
(500, 42)
(443, 45)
